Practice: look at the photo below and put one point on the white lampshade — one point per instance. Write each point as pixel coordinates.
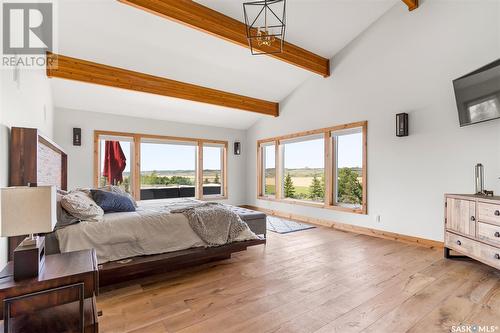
(27, 210)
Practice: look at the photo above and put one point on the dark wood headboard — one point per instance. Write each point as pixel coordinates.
(35, 159)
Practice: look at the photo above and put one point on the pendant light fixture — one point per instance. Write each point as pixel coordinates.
(265, 25)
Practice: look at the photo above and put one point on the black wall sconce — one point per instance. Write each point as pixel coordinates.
(402, 124)
(237, 148)
(77, 136)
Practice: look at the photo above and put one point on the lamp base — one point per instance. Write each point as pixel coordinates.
(29, 258)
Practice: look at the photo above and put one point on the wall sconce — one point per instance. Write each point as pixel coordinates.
(402, 124)
(77, 136)
(237, 148)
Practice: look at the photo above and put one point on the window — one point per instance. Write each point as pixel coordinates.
(168, 170)
(324, 168)
(348, 168)
(213, 167)
(161, 167)
(110, 173)
(269, 169)
(304, 168)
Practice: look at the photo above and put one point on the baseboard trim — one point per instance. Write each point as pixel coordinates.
(352, 228)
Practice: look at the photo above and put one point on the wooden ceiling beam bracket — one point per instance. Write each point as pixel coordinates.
(412, 4)
(199, 17)
(64, 67)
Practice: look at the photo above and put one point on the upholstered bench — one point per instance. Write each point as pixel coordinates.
(256, 220)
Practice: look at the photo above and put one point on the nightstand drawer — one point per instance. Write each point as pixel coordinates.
(62, 318)
(489, 233)
(473, 249)
(489, 212)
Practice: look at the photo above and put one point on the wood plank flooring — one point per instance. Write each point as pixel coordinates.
(319, 280)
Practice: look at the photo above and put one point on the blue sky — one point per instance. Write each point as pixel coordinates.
(167, 157)
(297, 155)
(170, 157)
(305, 154)
(310, 153)
(350, 150)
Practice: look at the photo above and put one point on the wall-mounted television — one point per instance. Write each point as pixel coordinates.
(478, 95)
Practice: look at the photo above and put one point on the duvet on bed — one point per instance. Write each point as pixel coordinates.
(151, 229)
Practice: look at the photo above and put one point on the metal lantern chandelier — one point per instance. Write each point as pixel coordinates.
(265, 25)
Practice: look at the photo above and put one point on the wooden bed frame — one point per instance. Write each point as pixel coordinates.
(36, 159)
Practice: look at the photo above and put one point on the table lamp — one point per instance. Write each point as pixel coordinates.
(28, 211)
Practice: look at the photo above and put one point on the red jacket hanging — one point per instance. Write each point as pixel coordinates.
(114, 162)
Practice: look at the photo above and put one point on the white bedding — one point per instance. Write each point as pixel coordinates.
(152, 229)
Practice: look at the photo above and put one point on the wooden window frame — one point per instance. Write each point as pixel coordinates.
(224, 147)
(135, 169)
(260, 168)
(329, 202)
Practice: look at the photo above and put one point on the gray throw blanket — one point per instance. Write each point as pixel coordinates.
(213, 223)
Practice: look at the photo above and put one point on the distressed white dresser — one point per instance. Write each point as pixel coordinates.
(472, 227)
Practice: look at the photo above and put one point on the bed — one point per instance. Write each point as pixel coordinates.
(128, 245)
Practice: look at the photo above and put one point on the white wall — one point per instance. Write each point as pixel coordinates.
(405, 62)
(25, 102)
(80, 163)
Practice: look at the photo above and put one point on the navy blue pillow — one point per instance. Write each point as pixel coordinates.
(112, 202)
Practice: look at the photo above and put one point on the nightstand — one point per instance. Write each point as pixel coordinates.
(61, 299)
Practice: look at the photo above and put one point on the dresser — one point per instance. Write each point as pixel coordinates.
(472, 227)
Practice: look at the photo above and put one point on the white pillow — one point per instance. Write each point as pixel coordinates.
(80, 205)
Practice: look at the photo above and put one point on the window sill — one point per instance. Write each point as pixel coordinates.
(361, 211)
(215, 197)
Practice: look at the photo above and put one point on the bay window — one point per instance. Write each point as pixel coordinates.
(168, 169)
(161, 167)
(115, 161)
(267, 183)
(213, 169)
(324, 168)
(304, 168)
(348, 168)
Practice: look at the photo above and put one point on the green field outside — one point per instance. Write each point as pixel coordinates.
(301, 184)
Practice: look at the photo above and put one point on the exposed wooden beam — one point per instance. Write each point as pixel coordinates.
(202, 18)
(85, 71)
(412, 4)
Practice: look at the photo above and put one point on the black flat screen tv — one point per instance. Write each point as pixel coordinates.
(478, 95)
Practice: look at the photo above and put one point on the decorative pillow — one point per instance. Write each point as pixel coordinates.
(62, 192)
(113, 202)
(63, 217)
(80, 205)
(118, 190)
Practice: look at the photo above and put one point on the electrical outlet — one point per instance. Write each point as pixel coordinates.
(378, 218)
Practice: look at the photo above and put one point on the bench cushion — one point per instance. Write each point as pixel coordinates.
(256, 220)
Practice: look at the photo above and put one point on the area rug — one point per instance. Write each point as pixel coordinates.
(283, 226)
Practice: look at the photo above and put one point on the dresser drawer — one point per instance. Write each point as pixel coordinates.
(489, 233)
(489, 212)
(488, 254)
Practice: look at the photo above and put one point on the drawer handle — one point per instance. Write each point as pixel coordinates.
(459, 242)
(497, 256)
(497, 234)
(497, 212)
(472, 218)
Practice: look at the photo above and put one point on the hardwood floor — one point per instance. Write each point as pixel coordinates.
(319, 280)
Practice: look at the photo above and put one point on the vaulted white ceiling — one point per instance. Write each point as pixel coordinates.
(109, 32)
